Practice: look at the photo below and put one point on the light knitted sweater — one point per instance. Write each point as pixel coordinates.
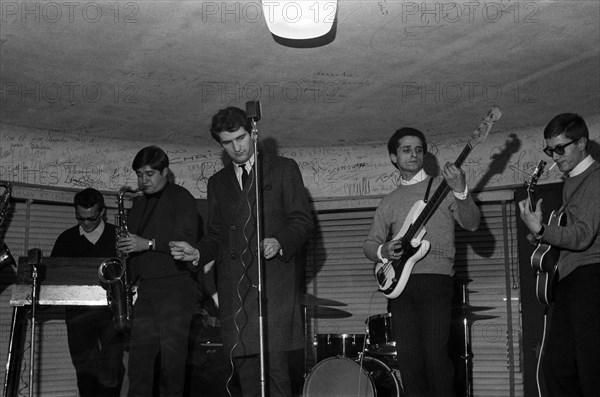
(393, 209)
(578, 240)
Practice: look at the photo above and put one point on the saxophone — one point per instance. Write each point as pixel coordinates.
(113, 271)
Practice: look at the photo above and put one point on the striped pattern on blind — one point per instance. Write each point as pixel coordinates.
(337, 269)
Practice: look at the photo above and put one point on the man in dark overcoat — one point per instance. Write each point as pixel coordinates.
(231, 241)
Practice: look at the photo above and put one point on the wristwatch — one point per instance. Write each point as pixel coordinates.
(151, 245)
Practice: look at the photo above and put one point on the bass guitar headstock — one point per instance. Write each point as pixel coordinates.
(483, 130)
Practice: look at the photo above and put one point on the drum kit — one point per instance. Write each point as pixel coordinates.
(366, 365)
(352, 364)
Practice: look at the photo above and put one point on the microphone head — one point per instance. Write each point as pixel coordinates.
(253, 110)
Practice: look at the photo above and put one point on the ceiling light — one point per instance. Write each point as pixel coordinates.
(300, 19)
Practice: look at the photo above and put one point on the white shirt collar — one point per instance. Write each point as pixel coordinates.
(582, 166)
(248, 165)
(95, 234)
(419, 177)
(238, 170)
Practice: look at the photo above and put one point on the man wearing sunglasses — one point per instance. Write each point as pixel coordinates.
(571, 358)
(95, 345)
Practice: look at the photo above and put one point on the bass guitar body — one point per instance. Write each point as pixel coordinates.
(393, 276)
(544, 261)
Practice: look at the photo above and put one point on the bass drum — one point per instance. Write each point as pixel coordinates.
(342, 377)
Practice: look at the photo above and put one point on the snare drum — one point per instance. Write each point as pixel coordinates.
(380, 335)
(338, 345)
(342, 377)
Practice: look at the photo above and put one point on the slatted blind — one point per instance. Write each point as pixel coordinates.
(337, 270)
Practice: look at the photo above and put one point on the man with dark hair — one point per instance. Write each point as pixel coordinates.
(95, 345)
(232, 242)
(421, 314)
(166, 291)
(571, 362)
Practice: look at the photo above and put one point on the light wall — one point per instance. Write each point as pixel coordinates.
(46, 158)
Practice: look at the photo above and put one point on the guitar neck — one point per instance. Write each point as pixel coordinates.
(531, 195)
(436, 199)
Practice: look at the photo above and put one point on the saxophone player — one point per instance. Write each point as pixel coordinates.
(95, 345)
(166, 293)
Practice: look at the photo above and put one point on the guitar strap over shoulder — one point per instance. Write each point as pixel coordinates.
(562, 207)
(428, 189)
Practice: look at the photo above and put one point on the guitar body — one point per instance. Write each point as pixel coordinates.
(393, 276)
(544, 261)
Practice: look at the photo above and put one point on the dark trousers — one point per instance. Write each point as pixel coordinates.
(277, 375)
(571, 361)
(96, 350)
(159, 337)
(421, 318)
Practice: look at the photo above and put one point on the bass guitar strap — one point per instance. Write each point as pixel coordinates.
(428, 189)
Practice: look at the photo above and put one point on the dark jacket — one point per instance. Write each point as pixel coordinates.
(231, 241)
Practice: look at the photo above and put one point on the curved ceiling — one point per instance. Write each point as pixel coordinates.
(157, 71)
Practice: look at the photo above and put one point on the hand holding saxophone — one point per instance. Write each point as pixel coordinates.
(133, 243)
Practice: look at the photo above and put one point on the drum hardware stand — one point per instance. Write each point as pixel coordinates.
(466, 356)
(13, 360)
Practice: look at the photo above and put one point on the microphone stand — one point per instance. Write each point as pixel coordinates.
(35, 257)
(34, 276)
(259, 262)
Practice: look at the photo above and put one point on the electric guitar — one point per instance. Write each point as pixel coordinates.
(544, 259)
(393, 276)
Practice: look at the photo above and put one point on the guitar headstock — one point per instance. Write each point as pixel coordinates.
(533, 179)
(483, 130)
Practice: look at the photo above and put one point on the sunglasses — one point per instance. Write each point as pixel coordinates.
(558, 149)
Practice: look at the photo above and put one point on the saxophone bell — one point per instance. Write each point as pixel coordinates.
(112, 272)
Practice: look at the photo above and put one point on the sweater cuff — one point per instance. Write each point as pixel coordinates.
(381, 258)
(463, 195)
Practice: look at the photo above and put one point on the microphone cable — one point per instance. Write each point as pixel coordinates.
(245, 267)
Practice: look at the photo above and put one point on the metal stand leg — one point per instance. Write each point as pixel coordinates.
(15, 352)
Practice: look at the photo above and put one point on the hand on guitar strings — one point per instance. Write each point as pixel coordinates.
(455, 177)
(392, 250)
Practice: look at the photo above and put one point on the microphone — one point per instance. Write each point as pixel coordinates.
(253, 110)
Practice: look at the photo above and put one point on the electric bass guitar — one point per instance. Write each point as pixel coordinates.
(544, 259)
(393, 275)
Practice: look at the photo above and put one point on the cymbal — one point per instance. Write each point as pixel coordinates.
(462, 279)
(467, 307)
(328, 312)
(474, 317)
(311, 300)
